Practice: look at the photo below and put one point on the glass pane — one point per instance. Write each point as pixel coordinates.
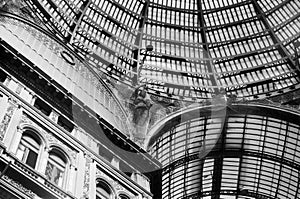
(54, 174)
(102, 193)
(20, 152)
(31, 159)
(30, 141)
(28, 150)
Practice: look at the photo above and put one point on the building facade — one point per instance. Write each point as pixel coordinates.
(54, 142)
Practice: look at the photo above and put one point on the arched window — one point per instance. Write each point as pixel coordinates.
(28, 149)
(56, 167)
(123, 196)
(103, 191)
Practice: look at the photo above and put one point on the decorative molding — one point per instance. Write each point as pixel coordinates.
(86, 185)
(7, 81)
(117, 186)
(25, 120)
(19, 88)
(19, 186)
(50, 138)
(54, 116)
(99, 174)
(7, 117)
(4, 194)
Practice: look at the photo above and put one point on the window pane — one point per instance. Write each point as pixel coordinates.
(31, 159)
(55, 168)
(54, 174)
(103, 191)
(20, 152)
(28, 149)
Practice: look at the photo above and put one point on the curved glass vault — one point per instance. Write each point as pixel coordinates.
(255, 155)
(190, 50)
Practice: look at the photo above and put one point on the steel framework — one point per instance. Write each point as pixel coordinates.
(199, 47)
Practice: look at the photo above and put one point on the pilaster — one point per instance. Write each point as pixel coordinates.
(43, 161)
(93, 169)
(80, 175)
(10, 121)
(17, 138)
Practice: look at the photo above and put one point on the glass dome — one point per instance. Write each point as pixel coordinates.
(256, 156)
(191, 50)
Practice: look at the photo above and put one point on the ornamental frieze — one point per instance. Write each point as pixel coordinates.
(19, 186)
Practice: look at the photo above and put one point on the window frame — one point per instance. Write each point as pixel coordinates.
(34, 135)
(60, 154)
(107, 186)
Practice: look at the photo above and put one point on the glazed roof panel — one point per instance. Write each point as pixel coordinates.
(188, 49)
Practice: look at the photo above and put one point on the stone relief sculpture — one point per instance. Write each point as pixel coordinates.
(140, 107)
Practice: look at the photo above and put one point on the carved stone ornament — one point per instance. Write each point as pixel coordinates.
(53, 140)
(86, 185)
(54, 116)
(117, 186)
(25, 120)
(19, 89)
(7, 117)
(7, 81)
(99, 174)
(19, 186)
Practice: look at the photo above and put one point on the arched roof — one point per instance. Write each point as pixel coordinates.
(189, 49)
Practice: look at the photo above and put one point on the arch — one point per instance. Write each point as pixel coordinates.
(104, 190)
(30, 147)
(57, 147)
(57, 166)
(60, 153)
(123, 195)
(25, 127)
